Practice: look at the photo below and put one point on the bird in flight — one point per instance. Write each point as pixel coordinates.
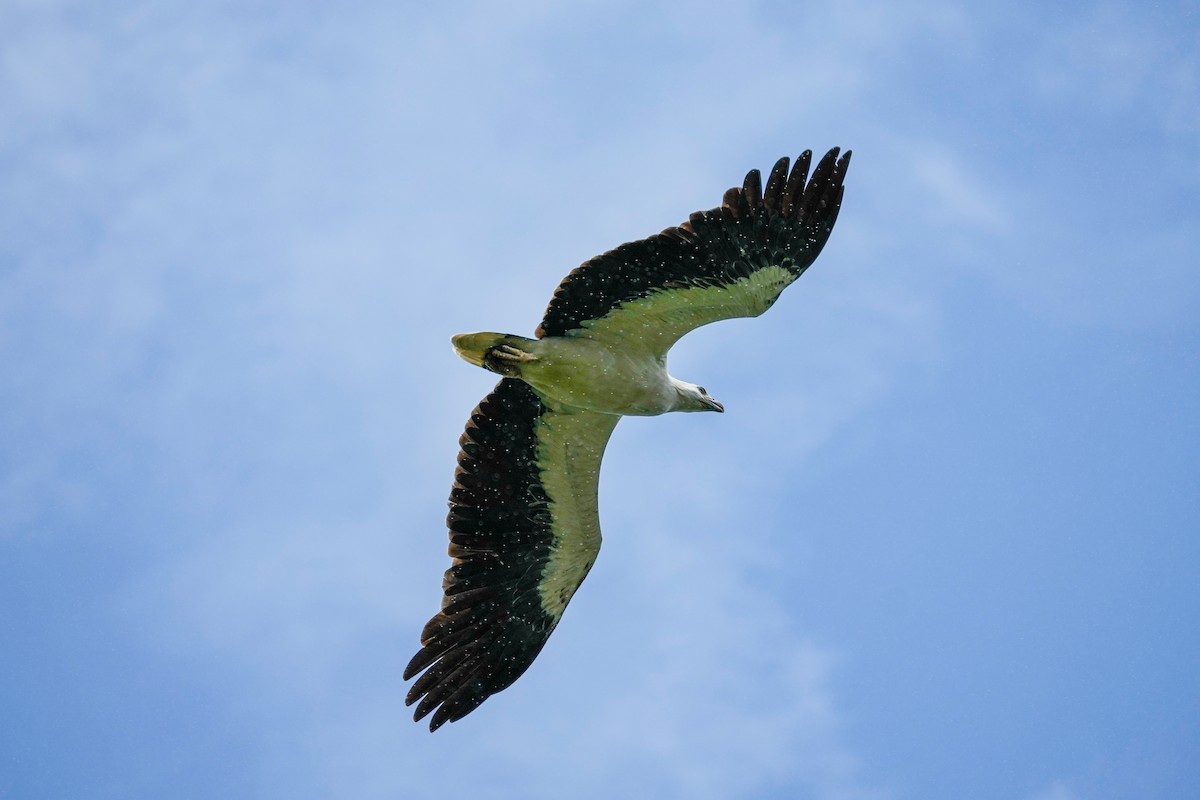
(524, 521)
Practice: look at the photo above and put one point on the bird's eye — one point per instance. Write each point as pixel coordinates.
(702, 390)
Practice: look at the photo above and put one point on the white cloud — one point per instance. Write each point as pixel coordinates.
(1058, 790)
(955, 199)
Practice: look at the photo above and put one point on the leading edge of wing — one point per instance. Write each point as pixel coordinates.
(515, 563)
(785, 226)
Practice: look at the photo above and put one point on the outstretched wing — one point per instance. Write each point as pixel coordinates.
(730, 262)
(524, 531)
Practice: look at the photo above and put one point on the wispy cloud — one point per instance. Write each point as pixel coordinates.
(1058, 790)
(1115, 59)
(674, 669)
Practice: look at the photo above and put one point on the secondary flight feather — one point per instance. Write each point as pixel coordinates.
(524, 520)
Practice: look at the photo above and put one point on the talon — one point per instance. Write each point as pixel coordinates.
(509, 353)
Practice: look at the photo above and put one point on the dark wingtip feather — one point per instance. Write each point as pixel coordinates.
(794, 189)
(752, 189)
(773, 196)
(842, 166)
(457, 706)
(461, 676)
(439, 719)
(817, 194)
(420, 661)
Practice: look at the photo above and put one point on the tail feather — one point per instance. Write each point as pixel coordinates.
(478, 349)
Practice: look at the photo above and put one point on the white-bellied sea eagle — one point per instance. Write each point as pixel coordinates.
(524, 525)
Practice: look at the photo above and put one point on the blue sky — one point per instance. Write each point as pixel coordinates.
(942, 545)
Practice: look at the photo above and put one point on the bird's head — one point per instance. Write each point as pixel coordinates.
(695, 398)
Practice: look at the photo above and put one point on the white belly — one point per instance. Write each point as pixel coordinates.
(580, 372)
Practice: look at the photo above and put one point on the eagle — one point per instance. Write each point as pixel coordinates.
(524, 519)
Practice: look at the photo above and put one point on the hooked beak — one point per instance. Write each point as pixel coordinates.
(714, 405)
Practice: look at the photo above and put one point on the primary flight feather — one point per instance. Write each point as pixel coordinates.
(524, 523)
